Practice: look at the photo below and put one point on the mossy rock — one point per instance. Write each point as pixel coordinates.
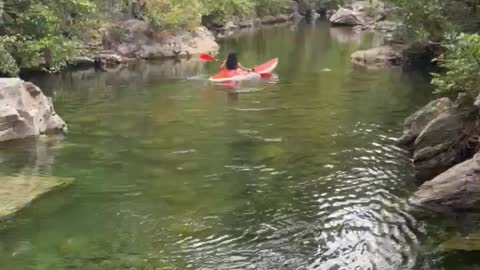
(461, 243)
(17, 192)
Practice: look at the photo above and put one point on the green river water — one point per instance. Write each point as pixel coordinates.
(298, 171)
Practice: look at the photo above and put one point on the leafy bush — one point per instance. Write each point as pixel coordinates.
(43, 33)
(8, 66)
(271, 7)
(429, 20)
(218, 11)
(173, 14)
(462, 62)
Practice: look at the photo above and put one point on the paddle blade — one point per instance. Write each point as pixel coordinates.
(207, 58)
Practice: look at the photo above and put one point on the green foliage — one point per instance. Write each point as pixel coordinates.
(187, 14)
(8, 66)
(217, 11)
(429, 20)
(173, 14)
(271, 7)
(462, 61)
(43, 33)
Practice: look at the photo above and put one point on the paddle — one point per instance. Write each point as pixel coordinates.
(209, 59)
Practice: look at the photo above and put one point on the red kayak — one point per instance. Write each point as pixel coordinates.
(240, 75)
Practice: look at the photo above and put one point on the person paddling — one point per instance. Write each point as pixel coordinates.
(231, 63)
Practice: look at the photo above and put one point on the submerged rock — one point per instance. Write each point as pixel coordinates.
(417, 122)
(136, 39)
(19, 191)
(25, 111)
(378, 57)
(457, 188)
(470, 242)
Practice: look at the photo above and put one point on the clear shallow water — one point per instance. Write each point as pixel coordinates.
(172, 172)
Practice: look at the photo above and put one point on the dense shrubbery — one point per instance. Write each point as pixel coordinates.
(172, 14)
(429, 20)
(462, 61)
(42, 32)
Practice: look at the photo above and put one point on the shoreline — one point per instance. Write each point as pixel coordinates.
(179, 45)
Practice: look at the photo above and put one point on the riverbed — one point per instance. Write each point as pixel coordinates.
(298, 171)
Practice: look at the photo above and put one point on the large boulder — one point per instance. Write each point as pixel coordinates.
(136, 39)
(378, 57)
(362, 14)
(447, 140)
(25, 111)
(456, 189)
(417, 122)
(347, 17)
(441, 135)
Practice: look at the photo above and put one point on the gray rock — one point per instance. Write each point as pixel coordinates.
(136, 39)
(476, 103)
(458, 188)
(363, 14)
(378, 57)
(416, 122)
(83, 61)
(25, 111)
(230, 25)
(275, 19)
(246, 23)
(446, 141)
(346, 17)
(108, 60)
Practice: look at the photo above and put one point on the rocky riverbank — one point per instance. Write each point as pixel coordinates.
(135, 40)
(443, 137)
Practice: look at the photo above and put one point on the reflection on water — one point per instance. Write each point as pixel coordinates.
(30, 157)
(174, 172)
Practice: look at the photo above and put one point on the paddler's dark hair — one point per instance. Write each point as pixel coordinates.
(232, 61)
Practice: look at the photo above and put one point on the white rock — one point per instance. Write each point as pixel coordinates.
(25, 111)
